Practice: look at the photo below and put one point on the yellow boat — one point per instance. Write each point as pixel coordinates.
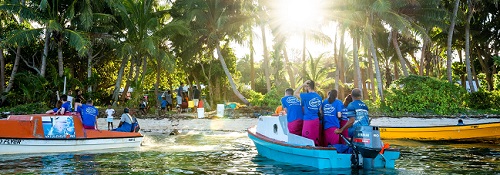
(479, 131)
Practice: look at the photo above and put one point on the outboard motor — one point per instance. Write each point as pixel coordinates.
(367, 141)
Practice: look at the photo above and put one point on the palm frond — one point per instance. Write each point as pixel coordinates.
(23, 37)
(78, 41)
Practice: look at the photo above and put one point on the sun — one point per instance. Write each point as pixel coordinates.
(298, 14)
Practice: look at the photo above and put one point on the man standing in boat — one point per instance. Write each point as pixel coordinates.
(293, 110)
(311, 102)
(89, 115)
(357, 111)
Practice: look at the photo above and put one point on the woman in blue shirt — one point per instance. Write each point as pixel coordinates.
(331, 110)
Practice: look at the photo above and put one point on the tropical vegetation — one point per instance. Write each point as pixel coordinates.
(404, 55)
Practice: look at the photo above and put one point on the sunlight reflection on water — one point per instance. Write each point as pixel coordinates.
(234, 153)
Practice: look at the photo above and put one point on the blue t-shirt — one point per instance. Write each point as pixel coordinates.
(293, 108)
(66, 106)
(330, 112)
(163, 103)
(359, 110)
(89, 114)
(311, 103)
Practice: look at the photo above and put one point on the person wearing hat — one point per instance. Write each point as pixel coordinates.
(125, 122)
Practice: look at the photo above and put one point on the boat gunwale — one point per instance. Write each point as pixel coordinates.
(443, 126)
(93, 138)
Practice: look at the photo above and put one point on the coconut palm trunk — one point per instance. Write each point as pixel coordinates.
(43, 66)
(229, 77)
(356, 61)
(252, 64)
(2, 70)
(291, 75)
(119, 79)
(377, 68)
(467, 47)
(60, 58)
(398, 52)
(450, 39)
(266, 58)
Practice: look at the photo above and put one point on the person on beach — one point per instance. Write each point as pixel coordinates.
(110, 112)
(125, 122)
(345, 118)
(311, 103)
(89, 115)
(293, 111)
(357, 111)
(196, 96)
(331, 110)
(78, 103)
(163, 104)
(180, 91)
(168, 97)
(142, 106)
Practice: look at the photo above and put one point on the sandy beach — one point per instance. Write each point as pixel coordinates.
(188, 122)
(167, 125)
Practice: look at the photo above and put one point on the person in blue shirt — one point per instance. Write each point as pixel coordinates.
(293, 111)
(311, 103)
(89, 115)
(331, 110)
(357, 111)
(66, 106)
(344, 119)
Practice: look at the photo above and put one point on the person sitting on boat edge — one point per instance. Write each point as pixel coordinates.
(56, 109)
(293, 110)
(311, 102)
(127, 122)
(331, 110)
(66, 106)
(89, 115)
(357, 111)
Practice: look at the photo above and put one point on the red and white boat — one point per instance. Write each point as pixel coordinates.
(44, 133)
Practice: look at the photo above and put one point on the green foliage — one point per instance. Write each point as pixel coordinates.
(255, 98)
(484, 100)
(28, 108)
(272, 99)
(418, 94)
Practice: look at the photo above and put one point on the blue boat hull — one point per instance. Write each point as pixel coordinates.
(318, 157)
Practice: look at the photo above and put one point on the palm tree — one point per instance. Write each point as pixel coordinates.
(144, 31)
(54, 15)
(450, 40)
(216, 20)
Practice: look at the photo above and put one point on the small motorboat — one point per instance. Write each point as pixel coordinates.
(43, 133)
(469, 132)
(272, 140)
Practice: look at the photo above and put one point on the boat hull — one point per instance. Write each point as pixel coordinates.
(289, 148)
(42, 133)
(21, 146)
(484, 131)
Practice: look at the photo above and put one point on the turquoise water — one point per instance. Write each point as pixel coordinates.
(234, 153)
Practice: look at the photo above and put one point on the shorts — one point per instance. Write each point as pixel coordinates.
(310, 130)
(179, 100)
(109, 119)
(196, 101)
(330, 137)
(295, 127)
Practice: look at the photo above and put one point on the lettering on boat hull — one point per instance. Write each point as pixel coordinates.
(10, 141)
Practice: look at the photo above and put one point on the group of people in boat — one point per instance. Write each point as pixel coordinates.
(88, 114)
(321, 120)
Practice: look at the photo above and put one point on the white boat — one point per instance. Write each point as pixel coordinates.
(42, 133)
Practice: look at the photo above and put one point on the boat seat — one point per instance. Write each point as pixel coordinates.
(20, 117)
